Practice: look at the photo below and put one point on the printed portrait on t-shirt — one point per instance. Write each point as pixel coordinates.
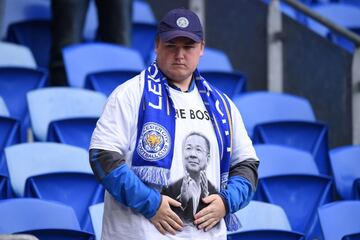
(194, 185)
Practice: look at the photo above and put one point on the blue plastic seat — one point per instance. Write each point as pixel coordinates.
(342, 14)
(14, 55)
(299, 195)
(96, 57)
(53, 171)
(142, 13)
(265, 234)
(214, 60)
(354, 236)
(34, 34)
(284, 119)
(303, 135)
(340, 218)
(72, 131)
(278, 159)
(15, 83)
(59, 103)
(262, 107)
(106, 81)
(21, 10)
(96, 214)
(294, 184)
(43, 219)
(4, 111)
(143, 39)
(9, 135)
(345, 163)
(231, 83)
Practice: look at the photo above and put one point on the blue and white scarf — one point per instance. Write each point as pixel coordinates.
(156, 130)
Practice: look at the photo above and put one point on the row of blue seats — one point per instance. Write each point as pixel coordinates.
(50, 220)
(287, 177)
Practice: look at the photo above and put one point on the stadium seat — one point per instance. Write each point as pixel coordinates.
(289, 178)
(14, 55)
(59, 103)
(278, 159)
(284, 119)
(142, 13)
(21, 10)
(72, 131)
(15, 83)
(9, 135)
(261, 107)
(342, 14)
(231, 83)
(43, 219)
(214, 60)
(98, 57)
(3, 108)
(143, 39)
(57, 172)
(303, 135)
(265, 234)
(34, 34)
(96, 214)
(345, 163)
(354, 236)
(106, 81)
(339, 219)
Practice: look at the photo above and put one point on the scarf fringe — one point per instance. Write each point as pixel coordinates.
(232, 222)
(154, 175)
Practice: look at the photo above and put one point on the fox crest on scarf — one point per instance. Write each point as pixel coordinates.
(153, 155)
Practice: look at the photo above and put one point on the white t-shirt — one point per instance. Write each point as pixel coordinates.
(116, 130)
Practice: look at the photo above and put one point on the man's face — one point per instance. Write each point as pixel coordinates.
(195, 154)
(178, 58)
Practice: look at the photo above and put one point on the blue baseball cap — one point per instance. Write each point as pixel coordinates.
(180, 22)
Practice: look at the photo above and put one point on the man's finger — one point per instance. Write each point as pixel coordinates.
(167, 227)
(211, 225)
(174, 224)
(209, 199)
(173, 202)
(160, 228)
(206, 223)
(201, 214)
(176, 218)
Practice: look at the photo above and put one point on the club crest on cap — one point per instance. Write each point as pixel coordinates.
(182, 22)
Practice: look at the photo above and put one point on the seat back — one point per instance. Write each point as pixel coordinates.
(15, 83)
(338, 219)
(34, 34)
(260, 215)
(98, 57)
(283, 160)
(231, 83)
(299, 195)
(345, 163)
(303, 135)
(106, 81)
(13, 55)
(32, 159)
(65, 187)
(56, 103)
(265, 234)
(3, 108)
(214, 60)
(72, 131)
(26, 214)
(143, 39)
(96, 213)
(262, 107)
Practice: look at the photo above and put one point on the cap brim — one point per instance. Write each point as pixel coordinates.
(167, 36)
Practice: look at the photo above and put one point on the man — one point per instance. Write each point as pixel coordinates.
(194, 186)
(136, 147)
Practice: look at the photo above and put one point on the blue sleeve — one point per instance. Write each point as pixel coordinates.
(121, 182)
(237, 194)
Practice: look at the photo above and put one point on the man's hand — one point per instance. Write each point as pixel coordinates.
(209, 216)
(165, 220)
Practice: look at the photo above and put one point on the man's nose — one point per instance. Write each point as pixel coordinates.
(179, 52)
